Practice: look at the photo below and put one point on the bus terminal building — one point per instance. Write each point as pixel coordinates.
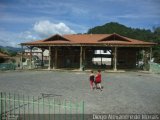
(76, 51)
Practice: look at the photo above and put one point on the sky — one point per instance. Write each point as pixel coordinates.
(29, 20)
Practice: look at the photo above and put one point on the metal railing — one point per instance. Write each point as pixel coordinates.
(45, 107)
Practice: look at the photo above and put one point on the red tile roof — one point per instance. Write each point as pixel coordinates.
(89, 39)
(3, 55)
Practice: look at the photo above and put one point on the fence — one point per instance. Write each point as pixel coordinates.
(45, 107)
(154, 67)
(7, 66)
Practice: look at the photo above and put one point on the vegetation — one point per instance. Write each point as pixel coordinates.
(135, 33)
(8, 52)
(3, 51)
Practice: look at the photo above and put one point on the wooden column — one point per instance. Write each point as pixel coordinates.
(22, 57)
(145, 59)
(84, 57)
(112, 58)
(84, 54)
(143, 53)
(42, 62)
(150, 54)
(81, 58)
(115, 59)
(101, 56)
(49, 61)
(55, 58)
(30, 66)
(150, 59)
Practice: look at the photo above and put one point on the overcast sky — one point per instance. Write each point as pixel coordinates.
(28, 20)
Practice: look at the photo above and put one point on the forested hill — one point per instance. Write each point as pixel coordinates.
(135, 33)
(11, 51)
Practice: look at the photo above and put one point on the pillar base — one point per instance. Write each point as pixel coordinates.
(49, 68)
(81, 68)
(114, 69)
(21, 67)
(30, 67)
(54, 68)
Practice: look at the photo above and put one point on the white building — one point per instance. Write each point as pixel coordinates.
(38, 52)
(102, 60)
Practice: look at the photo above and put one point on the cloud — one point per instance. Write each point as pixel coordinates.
(39, 30)
(47, 28)
(137, 16)
(8, 38)
(13, 39)
(27, 36)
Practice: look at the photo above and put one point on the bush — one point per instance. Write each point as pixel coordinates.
(2, 60)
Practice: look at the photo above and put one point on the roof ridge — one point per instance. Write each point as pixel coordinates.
(115, 35)
(54, 37)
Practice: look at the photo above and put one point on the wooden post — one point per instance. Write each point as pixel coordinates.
(101, 56)
(55, 58)
(112, 55)
(49, 61)
(143, 56)
(84, 54)
(145, 59)
(150, 54)
(30, 67)
(42, 62)
(84, 57)
(22, 57)
(150, 59)
(115, 59)
(81, 59)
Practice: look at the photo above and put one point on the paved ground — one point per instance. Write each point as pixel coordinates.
(129, 92)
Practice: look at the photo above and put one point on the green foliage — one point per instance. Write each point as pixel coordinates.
(156, 54)
(2, 50)
(12, 53)
(157, 34)
(8, 52)
(13, 60)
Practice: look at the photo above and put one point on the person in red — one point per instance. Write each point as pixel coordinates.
(98, 80)
(91, 79)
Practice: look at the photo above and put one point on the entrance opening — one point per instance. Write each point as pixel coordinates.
(102, 58)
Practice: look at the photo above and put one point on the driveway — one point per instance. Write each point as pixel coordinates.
(128, 92)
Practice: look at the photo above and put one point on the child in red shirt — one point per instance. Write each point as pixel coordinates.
(98, 80)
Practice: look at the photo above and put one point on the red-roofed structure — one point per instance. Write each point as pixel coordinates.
(77, 50)
(2, 55)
